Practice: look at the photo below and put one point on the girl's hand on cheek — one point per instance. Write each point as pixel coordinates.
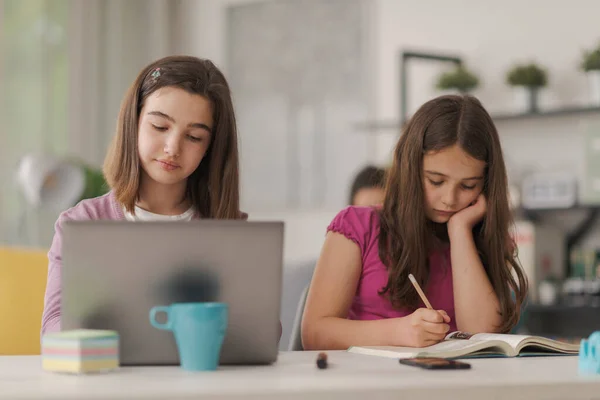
(468, 217)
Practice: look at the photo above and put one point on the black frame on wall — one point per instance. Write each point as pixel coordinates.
(405, 57)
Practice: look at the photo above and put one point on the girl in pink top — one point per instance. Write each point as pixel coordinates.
(174, 157)
(445, 219)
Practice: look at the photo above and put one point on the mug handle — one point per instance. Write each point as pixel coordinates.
(155, 310)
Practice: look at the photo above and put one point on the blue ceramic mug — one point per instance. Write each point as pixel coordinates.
(199, 330)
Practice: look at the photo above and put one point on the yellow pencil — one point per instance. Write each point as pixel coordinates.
(420, 291)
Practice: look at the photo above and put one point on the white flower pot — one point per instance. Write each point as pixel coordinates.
(594, 87)
(526, 99)
(448, 92)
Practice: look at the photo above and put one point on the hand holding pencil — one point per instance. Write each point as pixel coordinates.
(426, 325)
(424, 298)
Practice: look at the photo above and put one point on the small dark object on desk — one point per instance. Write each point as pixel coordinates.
(435, 363)
(322, 360)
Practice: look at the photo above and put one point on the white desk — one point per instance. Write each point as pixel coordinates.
(295, 376)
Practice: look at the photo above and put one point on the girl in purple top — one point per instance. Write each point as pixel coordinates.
(445, 219)
(174, 157)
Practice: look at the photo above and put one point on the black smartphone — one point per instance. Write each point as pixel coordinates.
(435, 363)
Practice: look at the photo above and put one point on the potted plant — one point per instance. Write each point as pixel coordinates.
(460, 79)
(95, 184)
(530, 78)
(590, 64)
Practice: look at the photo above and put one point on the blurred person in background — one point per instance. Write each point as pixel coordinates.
(368, 187)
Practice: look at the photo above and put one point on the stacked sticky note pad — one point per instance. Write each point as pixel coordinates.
(80, 351)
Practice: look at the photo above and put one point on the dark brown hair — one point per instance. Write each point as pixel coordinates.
(406, 233)
(213, 188)
(367, 178)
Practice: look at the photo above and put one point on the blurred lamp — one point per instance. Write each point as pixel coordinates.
(52, 182)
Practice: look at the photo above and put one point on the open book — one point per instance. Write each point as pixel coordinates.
(464, 345)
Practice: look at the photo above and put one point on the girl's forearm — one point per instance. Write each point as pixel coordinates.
(334, 333)
(475, 302)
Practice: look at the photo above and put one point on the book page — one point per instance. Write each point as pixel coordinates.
(512, 340)
(460, 348)
(449, 346)
(445, 349)
(535, 344)
(517, 342)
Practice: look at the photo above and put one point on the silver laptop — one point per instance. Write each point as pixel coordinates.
(114, 272)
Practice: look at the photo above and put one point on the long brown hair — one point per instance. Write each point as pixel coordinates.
(406, 232)
(213, 188)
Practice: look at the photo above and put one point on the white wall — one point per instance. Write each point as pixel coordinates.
(202, 28)
(490, 36)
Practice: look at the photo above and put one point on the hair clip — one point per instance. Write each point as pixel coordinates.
(155, 74)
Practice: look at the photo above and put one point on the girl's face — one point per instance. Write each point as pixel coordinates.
(452, 180)
(174, 132)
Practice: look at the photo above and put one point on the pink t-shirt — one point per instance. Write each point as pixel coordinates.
(361, 225)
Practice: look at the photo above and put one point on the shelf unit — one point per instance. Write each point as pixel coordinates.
(559, 112)
(577, 234)
(545, 114)
(404, 59)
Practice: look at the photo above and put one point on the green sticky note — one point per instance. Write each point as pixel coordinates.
(82, 334)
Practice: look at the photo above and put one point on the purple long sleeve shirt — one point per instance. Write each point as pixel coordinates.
(103, 207)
